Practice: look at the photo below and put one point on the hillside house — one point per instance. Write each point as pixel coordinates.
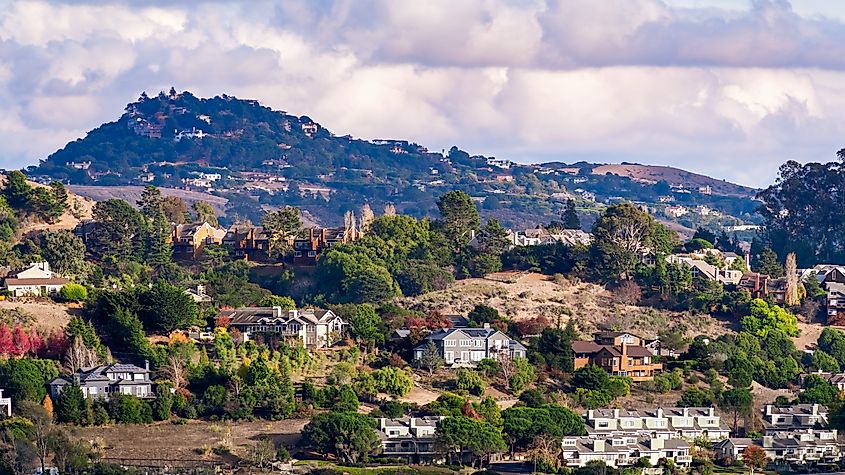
(312, 328)
(35, 280)
(702, 270)
(807, 447)
(104, 380)
(248, 242)
(618, 353)
(835, 303)
(5, 404)
(190, 239)
(468, 346)
(411, 439)
(792, 418)
(309, 245)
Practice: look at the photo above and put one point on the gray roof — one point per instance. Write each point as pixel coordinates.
(99, 374)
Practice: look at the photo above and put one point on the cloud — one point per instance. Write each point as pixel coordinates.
(731, 92)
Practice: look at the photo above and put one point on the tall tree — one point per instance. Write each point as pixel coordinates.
(791, 270)
(768, 264)
(64, 251)
(17, 191)
(458, 217)
(570, 216)
(204, 212)
(174, 209)
(282, 225)
(157, 227)
(118, 231)
(622, 235)
(367, 217)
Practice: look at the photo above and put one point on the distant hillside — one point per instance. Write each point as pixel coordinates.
(674, 176)
(133, 193)
(253, 158)
(80, 209)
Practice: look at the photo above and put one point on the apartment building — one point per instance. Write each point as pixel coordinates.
(793, 418)
(805, 447)
(624, 451)
(411, 439)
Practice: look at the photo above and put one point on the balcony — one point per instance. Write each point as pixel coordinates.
(683, 459)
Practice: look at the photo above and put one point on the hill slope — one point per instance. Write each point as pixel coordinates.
(255, 157)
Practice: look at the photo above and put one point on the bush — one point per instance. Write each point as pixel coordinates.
(469, 380)
(72, 292)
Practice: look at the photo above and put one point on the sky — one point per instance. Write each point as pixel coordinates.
(729, 88)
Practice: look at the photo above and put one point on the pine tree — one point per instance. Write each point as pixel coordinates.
(570, 216)
(70, 406)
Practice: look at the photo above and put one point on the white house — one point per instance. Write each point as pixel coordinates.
(659, 423)
(623, 451)
(35, 280)
(312, 328)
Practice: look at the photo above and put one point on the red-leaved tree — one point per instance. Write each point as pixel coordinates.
(20, 341)
(6, 345)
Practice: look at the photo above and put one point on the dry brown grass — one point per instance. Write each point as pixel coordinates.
(521, 296)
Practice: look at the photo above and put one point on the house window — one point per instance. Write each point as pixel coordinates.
(449, 343)
(297, 254)
(312, 253)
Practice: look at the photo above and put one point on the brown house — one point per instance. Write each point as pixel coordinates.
(314, 241)
(190, 239)
(618, 353)
(248, 242)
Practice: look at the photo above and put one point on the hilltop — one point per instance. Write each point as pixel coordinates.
(252, 158)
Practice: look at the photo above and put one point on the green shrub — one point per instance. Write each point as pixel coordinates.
(72, 292)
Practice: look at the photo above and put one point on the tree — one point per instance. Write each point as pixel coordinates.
(764, 317)
(389, 210)
(41, 431)
(167, 307)
(754, 457)
(163, 403)
(64, 251)
(590, 377)
(492, 241)
(174, 209)
(393, 381)
(262, 452)
(25, 379)
(204, 213)
(469, 380)
(621, 235)
(286, 303)
(458, 217)
(118, 231)
(818, 390)
(431, 359)
(367, 326)
(768, 264)
(791, 298)
(569, 218)
(367, 217)
(17, 191)
(70, 407)
(72, 292)
(737, 402)
(157, 249)
(351, 436)
(346, 400)
(281, 225)
(460, 434)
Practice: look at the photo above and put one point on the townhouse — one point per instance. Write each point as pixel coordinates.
(624, 451)
(618, 353)
(793, 418)
(468, 346)
(190, 239)
(248, 242)
(658, 423)
(411, 439)
(312, 242)
(311, 328)
(807, 447)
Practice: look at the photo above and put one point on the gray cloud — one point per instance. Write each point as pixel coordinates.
(732, 93)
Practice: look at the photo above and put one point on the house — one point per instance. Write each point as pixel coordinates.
(309, 245)
(198, 294)
(658, 423)
(248, 242)
(540, 236)
(36, 280)
(755, 283)
(805, 447)
(702, 270)
(312, 328)
(792, 418)
(675, 211)
(618, 353)
(190, 239)
(836, 379)
(5, 404)
(835, 303)
(468, 346)
(825, 273)
(624, 451)
(411, 439)
(104, 380)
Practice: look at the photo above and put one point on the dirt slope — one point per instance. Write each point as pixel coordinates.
(133, 193)
(654, 173)
(525, 295)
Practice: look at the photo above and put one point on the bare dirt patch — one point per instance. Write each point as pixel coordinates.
(132, 193)
(44, 315)
(521, 296)
(191, 441)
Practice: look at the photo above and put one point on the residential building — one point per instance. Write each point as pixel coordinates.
(793, 418)
(835, 303)
(836, 379)
(755, 283)
(468, 346)
(825, 273)
(411, 439)
(312, 328)
(190, 239)
(5, 404)
(618, 353)
(309, 245)
(198, 294)
(248, 242)
(623, 451)
(806, 447)
(35, 280)
(702, 270)
(675, 211)
(540, 236)
(658, 423)
(104, 380)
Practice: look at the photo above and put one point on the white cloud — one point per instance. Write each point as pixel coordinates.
(728, 92)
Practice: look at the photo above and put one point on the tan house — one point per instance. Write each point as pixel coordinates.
(190, 239)
(618, 353)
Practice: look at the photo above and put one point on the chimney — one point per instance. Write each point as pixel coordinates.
(767, 440)
(657, 444)
(486, 326)
(711, 411)
(590, 414)
(413, 422)
(598, 445)
(686, 412)
(616, 413)
(659, 412)
(147, 365)
(815, 409)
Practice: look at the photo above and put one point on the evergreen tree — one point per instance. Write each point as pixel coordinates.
(769, 264)
(570, 216)
(70, 406)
